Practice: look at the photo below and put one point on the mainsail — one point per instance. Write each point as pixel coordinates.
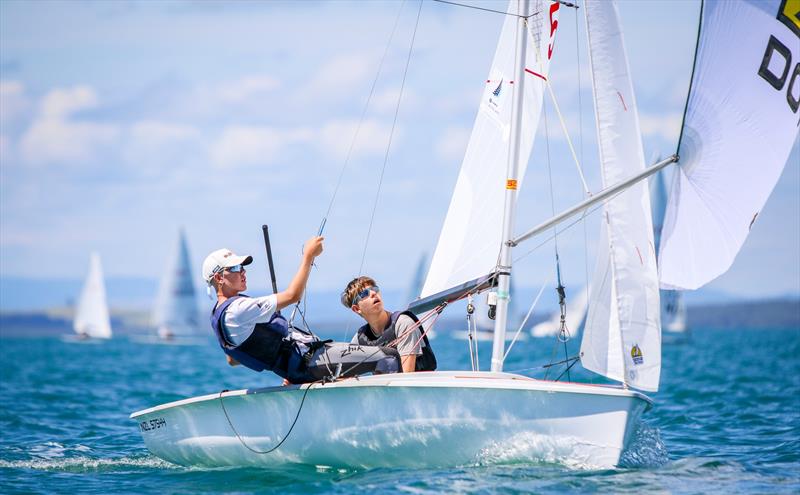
(470, 239)
(176, 309)
(91, 313)
(740, 124)
(622, 337)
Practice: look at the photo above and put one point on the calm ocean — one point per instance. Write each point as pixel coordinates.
(726, 420)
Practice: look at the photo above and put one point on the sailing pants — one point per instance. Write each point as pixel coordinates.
(355, 359)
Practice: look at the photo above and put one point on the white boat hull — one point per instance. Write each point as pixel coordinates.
(414, 420)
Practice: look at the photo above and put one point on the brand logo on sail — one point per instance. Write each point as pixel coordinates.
(777, 67)
(636, 355)
(494, 96)
(499, 88)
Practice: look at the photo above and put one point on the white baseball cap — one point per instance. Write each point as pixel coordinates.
(221, 259)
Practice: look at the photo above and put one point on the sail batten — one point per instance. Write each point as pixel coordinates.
(741, 116)
(622, 334)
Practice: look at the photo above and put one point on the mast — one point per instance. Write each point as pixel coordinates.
(504, 268)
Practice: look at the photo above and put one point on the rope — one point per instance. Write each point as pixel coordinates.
(241, 440)
(391, 136)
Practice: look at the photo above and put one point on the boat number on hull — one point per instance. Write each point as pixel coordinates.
(152, 424)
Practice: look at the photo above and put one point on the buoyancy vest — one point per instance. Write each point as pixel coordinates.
(425, 362)
(269, 346)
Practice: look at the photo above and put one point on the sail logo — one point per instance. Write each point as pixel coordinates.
(494, 96)
(636, 355)
(499, 88)
(789, 14)
(777, 66)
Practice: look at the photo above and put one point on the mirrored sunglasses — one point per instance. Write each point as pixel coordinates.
(235, 269)
(364, 293)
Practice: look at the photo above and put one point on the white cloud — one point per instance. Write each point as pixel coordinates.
(666, 126)
(336, 137)
(13, 101)
(341, 77)
(53, 137)
(246, 88)
(60, 103)
(56, 140)
(453, 143)
(250, 145)
(154, 133)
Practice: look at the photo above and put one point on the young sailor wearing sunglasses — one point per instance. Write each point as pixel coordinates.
(400, 329)
(252, 332)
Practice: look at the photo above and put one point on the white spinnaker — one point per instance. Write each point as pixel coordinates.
(470, 239)
(176, 308)
(622, 337)
(738, 131)
(91, 314)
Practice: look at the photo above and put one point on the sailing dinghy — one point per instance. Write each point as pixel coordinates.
(448, 418)
(92, 320)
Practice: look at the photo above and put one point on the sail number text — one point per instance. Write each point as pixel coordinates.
(152, 424)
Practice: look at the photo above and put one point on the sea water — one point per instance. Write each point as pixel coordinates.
(726, 420)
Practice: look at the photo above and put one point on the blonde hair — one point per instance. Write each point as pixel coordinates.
(354, 287)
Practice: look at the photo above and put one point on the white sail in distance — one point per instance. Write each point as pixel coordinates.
(622, 336)
(176, 308)
(673, 309)
(470, 239)
(91, 314)
(740, 124)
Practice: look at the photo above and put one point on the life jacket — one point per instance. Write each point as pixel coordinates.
(425, 362)
(269, 346)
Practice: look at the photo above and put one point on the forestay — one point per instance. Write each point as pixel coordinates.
(622, 335)
(470, 239)
(740, 124)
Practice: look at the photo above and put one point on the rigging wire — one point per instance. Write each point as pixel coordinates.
(524, 321)
(391, 135)
(361, 119)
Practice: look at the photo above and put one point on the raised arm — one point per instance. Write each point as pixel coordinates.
(294, 292)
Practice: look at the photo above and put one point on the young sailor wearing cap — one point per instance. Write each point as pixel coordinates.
(400, 329)
(252, 332)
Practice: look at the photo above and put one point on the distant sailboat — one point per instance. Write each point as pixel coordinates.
(576, 313)
(175, 316)
(419, 278)
(673, 310)
(484, 320)
(91, 314)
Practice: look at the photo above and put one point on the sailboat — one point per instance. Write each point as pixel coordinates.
(175, 317)
(448, 418)
(576, 314)
(673, 310)
(484, 314)
(92, 320)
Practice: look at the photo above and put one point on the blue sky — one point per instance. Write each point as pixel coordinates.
(124, 121)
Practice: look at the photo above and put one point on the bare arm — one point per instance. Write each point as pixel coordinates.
(409, 363)
(292, 294)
